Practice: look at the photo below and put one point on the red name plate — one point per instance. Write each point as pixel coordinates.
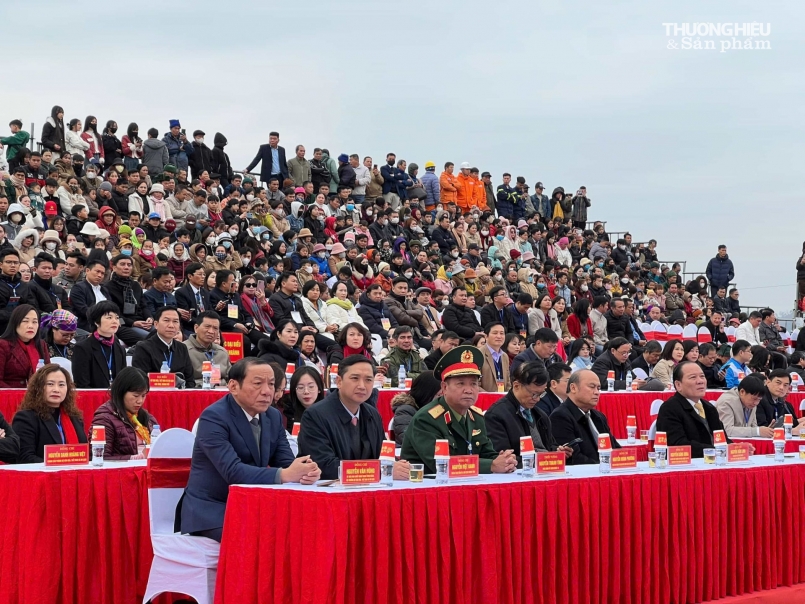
(233, 344)
(98, 434)
(551, 463)
(526, 445)
(679, 456)
(361, 471)
(779, 434)
(631, 421)
(719, 438)
(388, 450)
(66, 455)
(162, 380)
(442, 448)
(463, 466)
(295, 430)
(737, 452)
(660, 440)
(604, 442)
(622, 459)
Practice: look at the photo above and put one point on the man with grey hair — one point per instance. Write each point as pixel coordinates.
(299, 167)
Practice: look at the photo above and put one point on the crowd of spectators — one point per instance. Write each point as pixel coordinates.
(156, 245)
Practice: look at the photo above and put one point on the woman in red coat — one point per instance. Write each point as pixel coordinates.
(21, 348)
(579, 323)
(128, 425)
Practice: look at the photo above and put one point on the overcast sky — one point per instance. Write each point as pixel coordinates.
(691, 147)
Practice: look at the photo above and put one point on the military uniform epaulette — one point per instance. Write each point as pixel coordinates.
(477, 410)
(436, 411)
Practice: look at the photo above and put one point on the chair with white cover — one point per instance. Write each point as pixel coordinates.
(689, 332)
(652, 435)
(182, 563)
(195, 426)
(660, 332)
(704, 336)
(65, 364)
(377, 345)
(802, 405)
(730, 331)
(675, 332)
(648, 331)
(655, 408)
(390, 429)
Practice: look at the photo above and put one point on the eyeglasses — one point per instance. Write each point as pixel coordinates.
(249, 285)
(308, 388)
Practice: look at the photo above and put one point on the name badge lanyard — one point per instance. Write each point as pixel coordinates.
(168, 359)
(498, 368)
(59, 428)
(108, 360)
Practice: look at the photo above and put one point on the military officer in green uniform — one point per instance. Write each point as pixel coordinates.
(454, 417)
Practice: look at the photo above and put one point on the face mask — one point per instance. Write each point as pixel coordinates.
(226, 244)
(409, 275)
(309, 270)
(621, 247)
(233, 232)
(245, 261)
(600, 265)
(250, 197)
(454, 254)
(210, 240)
(200, 140)
(449, 274)
(90, 175)
(625, 281)
(484, 233)
(540, 285)
(74, 188)
(125, 252)
(390, 162)
(266, 237)
(119, 169)
(499, 237)
(221, 256)
(321, 254)
(498, 277)
(395, 220)
(368, 212)
(148, 253)
(470, 280)
(445, 301)
(584, 287)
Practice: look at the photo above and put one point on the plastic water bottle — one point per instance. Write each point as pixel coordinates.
(165, 367)
(529, 461)
(40, 364)
(206, 380)
(401, 377)
(441, 470)
(155, 432)
(628, 380)
(610, 384)
(604, 462)
(779, 451)
(387, 472)
(97, 454)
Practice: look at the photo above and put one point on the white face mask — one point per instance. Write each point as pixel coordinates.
(309, 270)
(454, 254)
(368, 212)
(321, 254)
(328, 247)
(484, 233)
(210, 240)
(584, 287)
(250, 197)
(409, 275)
(233, 232)
(245, 261)
(50, 245)
(90, 175)
(200, 140)
(395, 220)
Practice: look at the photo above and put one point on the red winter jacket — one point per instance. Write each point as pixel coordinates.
(15, 364)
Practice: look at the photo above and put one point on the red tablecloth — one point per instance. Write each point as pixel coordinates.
(172, 408)
(765, 446)
(685, 536)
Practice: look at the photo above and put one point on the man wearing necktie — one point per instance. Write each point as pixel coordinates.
(239, 440)
(162, 347)
(686, 418)
(192, 299)
(577, 417)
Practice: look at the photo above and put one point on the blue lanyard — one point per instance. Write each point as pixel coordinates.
(293, 304)
(498, 368)
(59, 428)
(501, 316)
(747, 413)
(209, 355)
(108, 360)
(168, 359)
(164, 299)
(63, 351)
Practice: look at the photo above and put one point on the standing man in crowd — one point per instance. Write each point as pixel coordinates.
(299, 167)
(720, 270)
(273, 161)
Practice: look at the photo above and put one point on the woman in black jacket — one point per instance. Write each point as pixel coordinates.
(279, 347)
(100, 357)
(53, 131)
(48, 414)
(314, 220)
(306, 388)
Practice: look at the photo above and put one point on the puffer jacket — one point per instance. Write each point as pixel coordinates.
(404, 407)
(373, 314)
(121, 439)
(431, 184)
(720, 271)
(155, 156)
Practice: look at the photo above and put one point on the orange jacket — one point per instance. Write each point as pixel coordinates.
(465, 198)
(449, 186)
(480, 195)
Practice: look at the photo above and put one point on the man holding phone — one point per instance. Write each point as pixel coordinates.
(179, 148)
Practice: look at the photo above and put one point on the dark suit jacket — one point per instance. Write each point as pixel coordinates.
(81, 298)
(606, 363)
(505, 425)
(568, 422)
(152, 352)
(683, 426)
(491, 314)
(768, 411)
(550, 402)
(325, 436)
(225, 453)
(186, 300)
(117, 291)
(227, 324)
(34, 433)
(90, 366)
(10, 445)
(264, 155)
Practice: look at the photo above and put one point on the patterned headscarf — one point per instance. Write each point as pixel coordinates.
(62, 320)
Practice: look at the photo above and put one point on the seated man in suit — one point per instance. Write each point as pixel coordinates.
(163, 347)
(240, 440)
(88, 292)
(161, 291)
(516, 414)
(341, 426)
(737, 408)
(192, 299)
(555, 395)
(577, 417)
(773, 407)
(686, 418)
(649, 358)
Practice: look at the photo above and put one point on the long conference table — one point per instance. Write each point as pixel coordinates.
(81, 535)
(181, 408)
